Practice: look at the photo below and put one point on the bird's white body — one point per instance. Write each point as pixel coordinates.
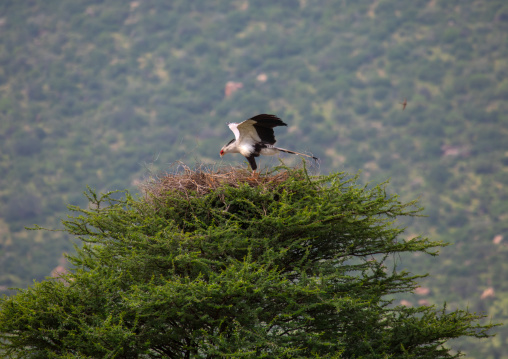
(247, 139)
(254, 137)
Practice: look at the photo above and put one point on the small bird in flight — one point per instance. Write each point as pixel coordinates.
(254, 137)
(404, 104)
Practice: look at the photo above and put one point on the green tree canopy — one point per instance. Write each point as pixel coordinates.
(213, 264)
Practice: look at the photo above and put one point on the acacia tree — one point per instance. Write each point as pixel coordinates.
(215, 264)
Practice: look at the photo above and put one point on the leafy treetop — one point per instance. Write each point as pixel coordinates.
(216, 263)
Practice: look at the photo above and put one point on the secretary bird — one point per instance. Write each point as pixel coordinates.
(254, 137)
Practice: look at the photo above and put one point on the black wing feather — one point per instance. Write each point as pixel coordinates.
(264, 127)
(269, 121)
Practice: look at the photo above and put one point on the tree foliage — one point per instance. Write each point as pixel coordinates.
(222, 264)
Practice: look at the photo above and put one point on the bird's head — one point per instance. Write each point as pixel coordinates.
(227, 148)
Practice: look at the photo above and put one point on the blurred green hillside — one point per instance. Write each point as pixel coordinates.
(107, 93)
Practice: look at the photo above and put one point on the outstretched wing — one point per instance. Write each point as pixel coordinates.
(233, 126)
(259, 129)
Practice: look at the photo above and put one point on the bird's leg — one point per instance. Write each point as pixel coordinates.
(255, 174)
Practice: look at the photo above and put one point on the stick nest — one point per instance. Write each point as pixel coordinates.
(205, 179)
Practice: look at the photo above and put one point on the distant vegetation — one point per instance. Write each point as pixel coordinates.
(102, 93)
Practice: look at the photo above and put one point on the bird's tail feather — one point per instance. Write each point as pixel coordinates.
(296, 153)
